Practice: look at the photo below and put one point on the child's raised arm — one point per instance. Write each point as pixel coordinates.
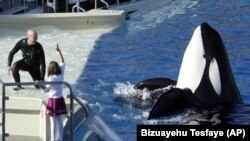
(60, 53)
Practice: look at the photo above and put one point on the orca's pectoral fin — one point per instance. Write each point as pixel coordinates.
(170, 102)
(155, 83)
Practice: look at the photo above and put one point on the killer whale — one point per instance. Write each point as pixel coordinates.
(155, 83)
(155, 87)
(205, 78)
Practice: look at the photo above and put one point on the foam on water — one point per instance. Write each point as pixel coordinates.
(128, 90)
(173, 119)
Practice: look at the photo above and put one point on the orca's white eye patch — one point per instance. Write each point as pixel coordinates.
(214, 76)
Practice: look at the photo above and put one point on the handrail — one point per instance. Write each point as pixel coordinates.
(52, 5)
(78, 7)
(86, 111)
(103, 1)
(3, 112)
(4, 98)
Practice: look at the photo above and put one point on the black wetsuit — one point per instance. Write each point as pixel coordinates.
(33, 60)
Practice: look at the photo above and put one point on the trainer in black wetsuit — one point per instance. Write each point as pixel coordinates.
(33, 58)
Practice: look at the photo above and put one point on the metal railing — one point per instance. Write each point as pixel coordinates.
(71, 96)
(78, 7)
(103, 1)
(53, 5)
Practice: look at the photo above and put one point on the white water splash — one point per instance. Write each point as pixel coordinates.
(118, 117)
(128, 90)
(173, 119)
(98, 107)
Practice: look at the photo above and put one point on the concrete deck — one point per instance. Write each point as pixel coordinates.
(72, 21)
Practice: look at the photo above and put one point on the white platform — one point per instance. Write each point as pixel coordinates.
(26, 119)
(72, 21)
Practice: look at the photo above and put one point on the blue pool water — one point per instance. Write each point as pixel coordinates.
(151, 44)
